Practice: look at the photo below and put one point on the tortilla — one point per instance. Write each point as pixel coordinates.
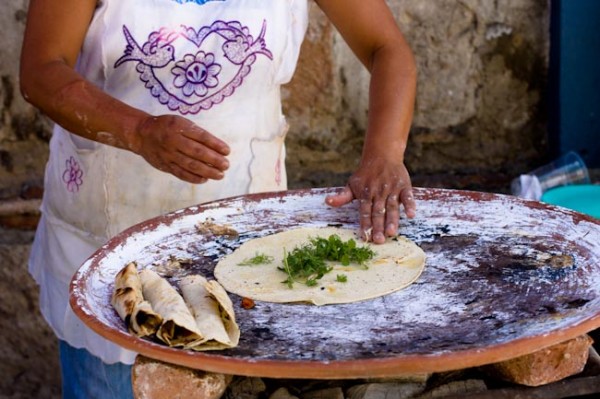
(127, 292)
(128, 301)
(202, 318)
(179, 327)
(213, 312)
(396, 264)
(144, 320)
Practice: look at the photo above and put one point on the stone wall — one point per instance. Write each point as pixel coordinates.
(480, 112)
(480, 102)
(24, 133)
(479, 119)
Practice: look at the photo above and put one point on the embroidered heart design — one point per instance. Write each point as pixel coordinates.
(186, 86)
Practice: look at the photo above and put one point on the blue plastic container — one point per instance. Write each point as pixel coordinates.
(584, 198)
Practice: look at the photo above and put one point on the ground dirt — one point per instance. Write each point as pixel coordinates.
(28, 348)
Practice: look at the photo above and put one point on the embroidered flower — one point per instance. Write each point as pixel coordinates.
(72, 175)
(196, 74)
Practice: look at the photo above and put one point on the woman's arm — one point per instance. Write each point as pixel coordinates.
(53, 38)
(381, 183)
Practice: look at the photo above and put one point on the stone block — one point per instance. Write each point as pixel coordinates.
(153, 379)
(544, 366)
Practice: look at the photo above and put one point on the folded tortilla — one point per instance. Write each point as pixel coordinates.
(179, 328)
(144, 320)
(202, 319)
(213, 313)
(128, 301)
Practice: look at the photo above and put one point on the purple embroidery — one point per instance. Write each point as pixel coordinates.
(72, 175)
(196, 74)
(278, 171)
(199, 2)
(157, 52)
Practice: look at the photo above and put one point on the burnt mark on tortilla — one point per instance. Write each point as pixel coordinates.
(123, 291)
(149, 320)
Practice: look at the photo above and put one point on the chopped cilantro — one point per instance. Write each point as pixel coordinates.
(341, 278)
(306, 264)
(258, 259)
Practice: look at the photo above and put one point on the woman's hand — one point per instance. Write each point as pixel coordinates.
(380, 186)
(381, 183)
(176, 145)
(53, 38)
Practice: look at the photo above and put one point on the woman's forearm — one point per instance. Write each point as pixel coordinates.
(381, 182)
(79, 106)
(391, 100)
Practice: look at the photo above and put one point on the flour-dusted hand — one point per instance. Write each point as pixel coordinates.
(381, 183)
(382, 188)
(171, 143)
(175, 145)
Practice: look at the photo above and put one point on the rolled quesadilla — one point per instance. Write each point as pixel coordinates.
(179, 327)
(128, 301)
(202, 319)
(213, 312)
(144, 320)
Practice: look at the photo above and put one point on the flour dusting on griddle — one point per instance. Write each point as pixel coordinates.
(499, 269)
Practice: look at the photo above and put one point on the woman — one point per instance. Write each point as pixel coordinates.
(162, 104)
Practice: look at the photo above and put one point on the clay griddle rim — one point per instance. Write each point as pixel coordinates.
(342, 369)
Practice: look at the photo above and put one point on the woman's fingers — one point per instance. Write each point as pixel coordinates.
(176, 145)
(196, 167)
(380, 197)
(373, 211)
(343, 197)
(378, 217)
(392, 216)
(195, 153)
(408, 201)
(365, 210)
(205, 140)
(184, 174)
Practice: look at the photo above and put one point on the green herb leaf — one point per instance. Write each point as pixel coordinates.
(258, 259)
(286, 268)
(341, 278)
(307, 264)
(311, 282)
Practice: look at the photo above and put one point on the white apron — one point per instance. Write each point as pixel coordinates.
(219, 63)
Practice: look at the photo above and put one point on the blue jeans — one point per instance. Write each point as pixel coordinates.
(84, 376)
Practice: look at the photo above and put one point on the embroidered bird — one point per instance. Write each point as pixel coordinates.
(238, 49)
(156, 52)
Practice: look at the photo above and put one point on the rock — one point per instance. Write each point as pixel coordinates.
(544, 366)
(282, 393)
(396, 390)
(328, 393)
(153, 379)
(245, 388)
(592, 366)
(455, 388)
(416, 377)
